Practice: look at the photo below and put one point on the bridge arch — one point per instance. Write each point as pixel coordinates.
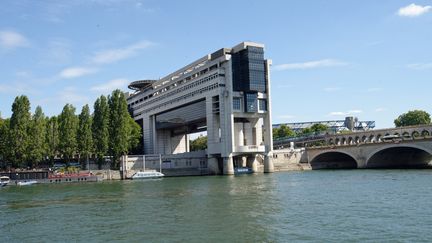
(333, 160)
(400, 156)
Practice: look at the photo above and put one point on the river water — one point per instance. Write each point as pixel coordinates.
(313, 206)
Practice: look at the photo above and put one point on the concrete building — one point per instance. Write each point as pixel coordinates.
(226, 94)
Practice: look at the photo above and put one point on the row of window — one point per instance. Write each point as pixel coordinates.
(181, 89)
(174, 85)
(251, 103)
(176, 100)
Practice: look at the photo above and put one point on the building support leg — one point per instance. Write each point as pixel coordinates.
(213, 165)
(228, 166)
(268, 163)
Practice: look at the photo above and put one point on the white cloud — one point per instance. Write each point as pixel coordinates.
(413, 10)
(110, 85)
(17, 88)
(114, 55)
(380, 109)
(332, 89)
(347, 113)
(72, 95)
(372, 90)
(75, 72)
(11, 39)
(58, 52)
(420, 66)
(310, 65)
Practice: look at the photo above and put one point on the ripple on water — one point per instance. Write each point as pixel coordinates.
(317, 206)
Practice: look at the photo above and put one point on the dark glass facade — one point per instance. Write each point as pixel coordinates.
(251, 102)
(249, 70)
(236, 103)
(249, 75)
(262, 104)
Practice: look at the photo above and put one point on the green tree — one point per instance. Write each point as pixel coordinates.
(100, 129)
(52, 138)
(37, 132)
(318, 127)
(135, 134)
(283, 131)
(18, 132)
(119, 126)
(68, 126)
(85, 139)
(200, 143)
(4, 134)
(412, 118)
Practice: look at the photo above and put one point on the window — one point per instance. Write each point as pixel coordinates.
(237, 103)
(251, 102)
(262, 103)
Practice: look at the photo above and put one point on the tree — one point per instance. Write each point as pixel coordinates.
(100, 128)
(37, 133)
(4, 134)
(52, 138)
(283, 131)
(119, 126)
(135, 134)
(85, 140)
(318, 127)
(200, 143)
(68, 126)
(18, 132)
(412, 118)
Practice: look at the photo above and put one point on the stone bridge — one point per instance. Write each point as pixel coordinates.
(408, 147)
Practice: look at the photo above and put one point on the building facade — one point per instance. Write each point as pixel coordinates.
(226, 94)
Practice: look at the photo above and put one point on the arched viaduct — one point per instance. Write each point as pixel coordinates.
(409, 147)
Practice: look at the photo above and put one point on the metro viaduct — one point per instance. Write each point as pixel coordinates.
(408, 147)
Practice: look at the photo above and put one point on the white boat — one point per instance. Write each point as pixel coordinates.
(4, 180)
(26, 183)
(147, 175)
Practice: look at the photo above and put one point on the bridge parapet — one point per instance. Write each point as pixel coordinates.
(380, 136)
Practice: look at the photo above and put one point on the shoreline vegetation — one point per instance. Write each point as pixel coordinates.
(33, 140)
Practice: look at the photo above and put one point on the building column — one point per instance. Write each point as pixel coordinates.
(228, 166)
(253, 163)
(213, 165)
(268, 163)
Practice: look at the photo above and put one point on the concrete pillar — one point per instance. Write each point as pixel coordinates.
(228, 166)
(253, 162)
(268, 163)
(243, 161)
(187, 146)
(213, 165)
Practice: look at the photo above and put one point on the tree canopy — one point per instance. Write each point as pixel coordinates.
(283, 131)
(68, 127)
(19, 131)
(200, 143)
(412, 118)
(84, 135)
(37, 145)
(27, 140)
(100, 128)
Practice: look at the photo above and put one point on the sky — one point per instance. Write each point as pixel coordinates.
(331, 58)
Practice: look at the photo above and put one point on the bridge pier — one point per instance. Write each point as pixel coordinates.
(268, 163)
(228, 166)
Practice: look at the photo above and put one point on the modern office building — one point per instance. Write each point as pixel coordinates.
(226, 94)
